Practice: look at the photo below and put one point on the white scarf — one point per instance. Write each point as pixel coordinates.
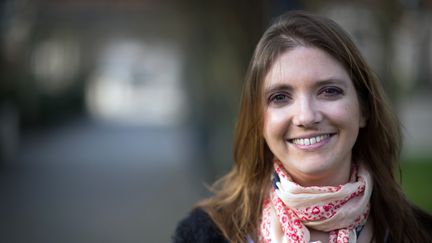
(290, 208)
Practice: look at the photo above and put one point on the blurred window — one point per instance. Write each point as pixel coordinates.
(137, 83)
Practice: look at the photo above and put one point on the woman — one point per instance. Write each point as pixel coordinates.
(316, 148)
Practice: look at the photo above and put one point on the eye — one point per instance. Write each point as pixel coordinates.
(331, 92)
(279, 98)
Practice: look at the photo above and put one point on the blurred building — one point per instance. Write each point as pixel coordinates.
(113, 114)
(155, 86)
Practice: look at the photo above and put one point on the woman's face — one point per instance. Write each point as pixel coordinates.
(312, 116)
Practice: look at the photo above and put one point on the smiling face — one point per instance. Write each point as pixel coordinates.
(312, 116)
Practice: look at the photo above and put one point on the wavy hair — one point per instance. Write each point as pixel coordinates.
(237, 203)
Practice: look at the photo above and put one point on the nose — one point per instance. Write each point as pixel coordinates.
(306, 113)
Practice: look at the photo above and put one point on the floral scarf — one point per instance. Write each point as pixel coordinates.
(291, 208)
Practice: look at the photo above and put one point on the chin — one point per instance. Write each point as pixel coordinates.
(314, 168)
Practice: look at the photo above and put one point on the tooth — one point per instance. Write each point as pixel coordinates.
(312, 140)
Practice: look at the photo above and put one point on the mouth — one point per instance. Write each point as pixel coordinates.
(306, 141)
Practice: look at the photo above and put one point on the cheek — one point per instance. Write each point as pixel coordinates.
(275, 122)
(267, 125)
(347, 115)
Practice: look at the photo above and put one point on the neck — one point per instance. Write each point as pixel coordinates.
(316, 235)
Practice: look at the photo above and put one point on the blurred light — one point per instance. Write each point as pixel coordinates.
(55, 63)
(137, 83)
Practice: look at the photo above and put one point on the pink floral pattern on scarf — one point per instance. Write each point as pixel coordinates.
(290, 208)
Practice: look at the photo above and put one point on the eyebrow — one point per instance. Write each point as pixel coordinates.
(287, 87)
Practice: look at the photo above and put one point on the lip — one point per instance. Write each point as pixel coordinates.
(312, 147)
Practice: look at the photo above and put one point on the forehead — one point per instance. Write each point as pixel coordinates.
(305, 65)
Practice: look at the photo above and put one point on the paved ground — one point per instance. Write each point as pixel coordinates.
(85, 182)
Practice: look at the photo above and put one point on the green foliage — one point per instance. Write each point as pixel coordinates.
(417, 181)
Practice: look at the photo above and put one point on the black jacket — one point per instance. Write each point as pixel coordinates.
(197, 227)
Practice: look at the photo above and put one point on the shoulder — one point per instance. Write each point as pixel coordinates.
(424, 219)
(197, 227)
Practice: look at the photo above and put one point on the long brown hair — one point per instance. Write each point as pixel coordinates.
(237, 203)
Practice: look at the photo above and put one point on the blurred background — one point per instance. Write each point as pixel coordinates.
(115, 115)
